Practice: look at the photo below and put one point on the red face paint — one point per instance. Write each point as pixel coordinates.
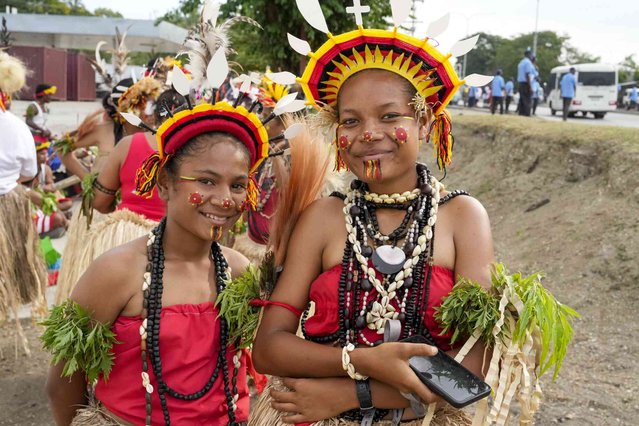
(195, 199)
(401, 135)
(226, 203)
(344, 143)
(367, 136)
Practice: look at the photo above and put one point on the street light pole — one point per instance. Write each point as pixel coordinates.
(536, 26)
(466, 55)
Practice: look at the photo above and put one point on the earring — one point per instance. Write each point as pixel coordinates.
(401, 135)
(367, 136)
(339, 161)
(216, 233)
(195, 199)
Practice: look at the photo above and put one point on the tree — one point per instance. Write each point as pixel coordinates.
(51, 7)
(572, 55)
(258, 48)
(105, 11)
(5, 35)
(628, 69)
(482, 59)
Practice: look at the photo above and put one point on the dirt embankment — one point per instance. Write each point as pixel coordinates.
(563, 199)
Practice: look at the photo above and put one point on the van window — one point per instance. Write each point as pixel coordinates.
(552, 83)
(600, 78)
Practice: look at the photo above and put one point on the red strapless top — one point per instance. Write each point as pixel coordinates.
(189, 344)
(152, 208)
(325, 321)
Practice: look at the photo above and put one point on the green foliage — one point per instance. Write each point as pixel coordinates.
(257, 49)
(629, 69)
(51, 7)
(233, 302)
(105, 11)
(5, 36)
(496, 52)
(65, 145)
(470, 307)
(88, 194)
(49, 202)
(83, 344)
(467, 308)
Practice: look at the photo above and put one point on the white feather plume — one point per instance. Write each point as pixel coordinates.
(206, 38)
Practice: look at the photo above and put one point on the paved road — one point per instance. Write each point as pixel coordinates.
(620, 119)
(66, 116)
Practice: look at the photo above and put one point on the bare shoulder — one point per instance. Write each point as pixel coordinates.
(463, 209)
(124, 144)
(236, 260)
(323, 211)
(112, 279)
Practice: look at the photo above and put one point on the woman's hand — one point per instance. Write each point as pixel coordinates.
(388, 363)
(314, 399)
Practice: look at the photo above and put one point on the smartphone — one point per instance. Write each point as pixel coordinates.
(446, 377)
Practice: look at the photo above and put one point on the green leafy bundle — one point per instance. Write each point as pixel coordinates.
(535, 311)
(49, 202)
(233, 303)
(65, 145)
(83, 344)
(88, 194)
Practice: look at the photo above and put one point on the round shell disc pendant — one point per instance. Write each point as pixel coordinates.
(388, 259)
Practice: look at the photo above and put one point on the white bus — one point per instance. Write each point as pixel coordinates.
(596, 89)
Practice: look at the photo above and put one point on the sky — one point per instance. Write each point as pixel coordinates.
(609, 29)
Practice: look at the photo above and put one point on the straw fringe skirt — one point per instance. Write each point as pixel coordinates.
(94, 415)
(84, 246)
(262, 414)
(23, 272)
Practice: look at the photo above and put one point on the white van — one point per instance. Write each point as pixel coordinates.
(596, 89)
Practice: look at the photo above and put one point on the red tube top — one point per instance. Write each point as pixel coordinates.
(189, 344)
(325, 321)
(152, 208)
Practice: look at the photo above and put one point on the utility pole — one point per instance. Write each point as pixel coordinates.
(534, 49)
(413, 15)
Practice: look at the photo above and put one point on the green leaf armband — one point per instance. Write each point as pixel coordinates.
(234, 305)
(514, 310)
(82, 343)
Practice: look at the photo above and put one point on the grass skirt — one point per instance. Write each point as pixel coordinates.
(23, 271)
(84, 246)
(94, 415)
(262, 414)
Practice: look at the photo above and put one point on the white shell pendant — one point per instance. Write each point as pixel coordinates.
(388, 259)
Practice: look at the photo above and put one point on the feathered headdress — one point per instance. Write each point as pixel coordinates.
(13, 76)
(183, 126)
(270, 91)
(120, 59)
(417, 60)
(206, 38)
(137, 97)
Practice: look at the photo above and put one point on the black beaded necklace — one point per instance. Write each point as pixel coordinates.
(152, 307)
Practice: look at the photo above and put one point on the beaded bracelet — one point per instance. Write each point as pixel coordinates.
(97, 185)
(348, 366)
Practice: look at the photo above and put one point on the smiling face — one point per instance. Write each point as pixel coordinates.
(376, 124)
(206, 185)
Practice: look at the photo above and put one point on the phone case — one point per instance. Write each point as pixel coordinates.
(447, 378)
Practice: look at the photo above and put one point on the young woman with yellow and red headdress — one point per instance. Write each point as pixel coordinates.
(159, 351)
(371, 267)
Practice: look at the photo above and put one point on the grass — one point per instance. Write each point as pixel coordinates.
(525, 128)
